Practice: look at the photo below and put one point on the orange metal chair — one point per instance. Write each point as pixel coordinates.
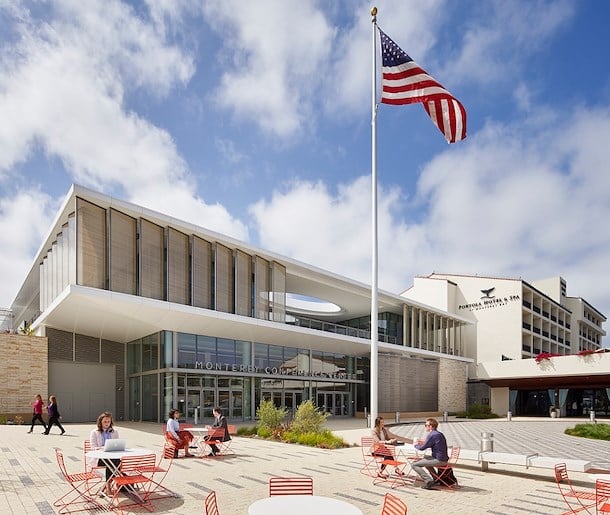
(385, 455)
(369, 463)
(88, 467)
(444, 474)
(211, 507)
(80, 495)
(132, 479)
(392, 505)
(158, 471)
(300, 485)
(576, 500)
(602, 496)
(216, 437)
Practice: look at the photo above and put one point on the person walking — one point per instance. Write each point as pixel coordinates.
(54, 416)
(37, 415)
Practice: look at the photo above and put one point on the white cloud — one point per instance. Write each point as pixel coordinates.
(24, 221)
(274, 58)
(515, 201)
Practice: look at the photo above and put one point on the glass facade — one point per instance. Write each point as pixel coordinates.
(195, 373)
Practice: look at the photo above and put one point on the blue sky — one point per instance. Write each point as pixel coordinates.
(254, 119)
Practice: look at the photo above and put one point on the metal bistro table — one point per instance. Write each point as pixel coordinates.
(199, 434)
(108, 456)
(302, 505)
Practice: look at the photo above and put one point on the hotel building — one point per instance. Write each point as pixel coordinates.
(514, 325)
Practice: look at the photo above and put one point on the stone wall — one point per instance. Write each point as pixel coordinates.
(452, 385)
(23, 374)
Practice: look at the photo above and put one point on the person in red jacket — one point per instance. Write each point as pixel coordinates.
(37, 415)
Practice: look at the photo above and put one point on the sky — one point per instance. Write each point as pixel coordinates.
(253, 119)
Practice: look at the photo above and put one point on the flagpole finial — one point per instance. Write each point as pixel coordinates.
(374, 13)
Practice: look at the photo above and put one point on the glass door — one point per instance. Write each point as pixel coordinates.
(193, 402)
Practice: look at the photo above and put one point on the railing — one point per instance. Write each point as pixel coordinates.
(329, 327)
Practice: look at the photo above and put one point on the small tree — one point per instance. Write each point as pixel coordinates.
(270, 418)
(308, 419)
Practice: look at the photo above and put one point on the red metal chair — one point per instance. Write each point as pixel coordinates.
(216, 437)
(133, 481)
(88, 466)
(576, 500)
(80, 495)
(444, 474)
(211, 507)
(158, 471)
(602, 496)
(369, 463)
(300, 485)
(385, 457)
(392, 505)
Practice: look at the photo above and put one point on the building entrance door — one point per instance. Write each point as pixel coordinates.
(335, 403)
(202, 398)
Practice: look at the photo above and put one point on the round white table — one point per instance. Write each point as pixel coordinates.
(301, 505)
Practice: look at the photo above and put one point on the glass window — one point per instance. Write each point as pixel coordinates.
(150, 352)
(276, 356)
(261, 355)
(226, 351)
(150, 398)
(206, 349)
(134, 350)
(187, 349)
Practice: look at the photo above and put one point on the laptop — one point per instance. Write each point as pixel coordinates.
(115, 444)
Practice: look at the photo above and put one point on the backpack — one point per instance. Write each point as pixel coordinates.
(446, 476)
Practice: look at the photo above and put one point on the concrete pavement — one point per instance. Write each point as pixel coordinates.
(30, 480)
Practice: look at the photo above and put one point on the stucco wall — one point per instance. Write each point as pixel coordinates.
(23, 373)
(452, 378)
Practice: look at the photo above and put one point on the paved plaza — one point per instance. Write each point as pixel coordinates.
(30, 480)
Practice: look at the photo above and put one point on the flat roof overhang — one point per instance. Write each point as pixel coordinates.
(570, 371)
(123, 318)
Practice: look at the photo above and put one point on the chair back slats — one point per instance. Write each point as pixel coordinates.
(454, 456)
(216, 433)
(211, 507)
(301, 485)
(602, 495)
(392, 505)
(232, 429)
(134, 464)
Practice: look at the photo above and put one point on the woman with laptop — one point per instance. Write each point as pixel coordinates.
(97, 439)
(181, 439)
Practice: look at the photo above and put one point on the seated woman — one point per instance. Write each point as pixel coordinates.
(381, 434)
(181, 439)
(97, 439)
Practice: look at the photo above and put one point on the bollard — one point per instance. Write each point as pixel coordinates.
(397, 417)
(487, 445)
(196, 415)
(368, 420)
(509, 416)
(445, 416)
(592, 417)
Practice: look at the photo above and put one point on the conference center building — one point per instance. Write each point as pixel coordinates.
(136, 312)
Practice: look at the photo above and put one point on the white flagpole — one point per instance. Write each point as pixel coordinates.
(374, 273)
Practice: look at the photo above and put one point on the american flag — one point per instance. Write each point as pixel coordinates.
(405, 82)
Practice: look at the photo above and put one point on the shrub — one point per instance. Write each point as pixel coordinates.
(323, 439)
(308, 419)
(246, 431)
(479, 411)
(594, 431)
(269, 416)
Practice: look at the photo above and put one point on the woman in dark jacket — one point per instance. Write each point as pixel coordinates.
(54, 416)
